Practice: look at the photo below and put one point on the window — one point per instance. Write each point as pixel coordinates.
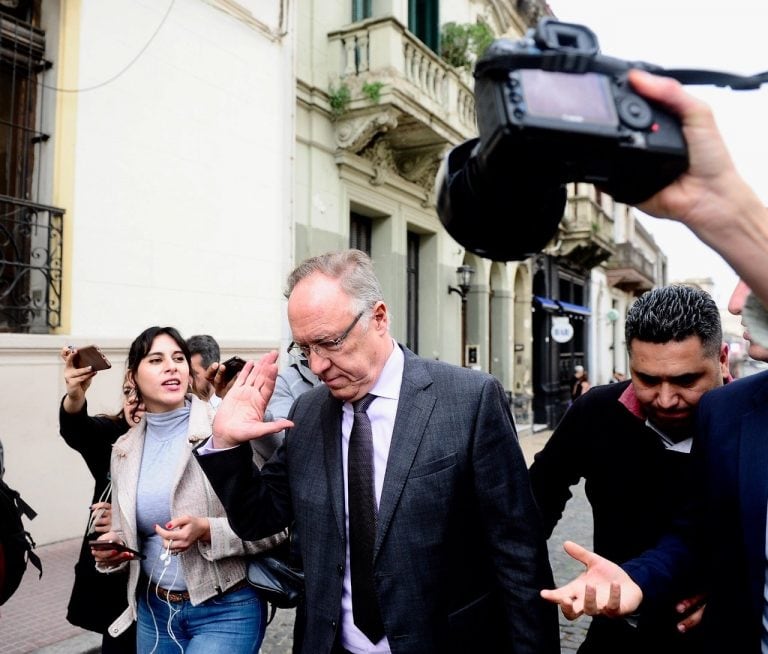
(360, 9)
(424, 22)
(30, 233)
(360, 232)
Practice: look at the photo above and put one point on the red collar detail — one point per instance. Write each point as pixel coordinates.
(629, 399)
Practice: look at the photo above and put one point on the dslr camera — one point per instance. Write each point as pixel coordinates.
(551, 110)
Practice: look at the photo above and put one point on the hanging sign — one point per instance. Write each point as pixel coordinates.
(562, 329)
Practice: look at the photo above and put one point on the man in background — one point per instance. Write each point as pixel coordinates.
(719, 537)
(205, 351)
(630, 441)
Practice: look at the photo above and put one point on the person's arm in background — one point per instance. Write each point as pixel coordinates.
(91, 436)
(77, 380)
(711, 198)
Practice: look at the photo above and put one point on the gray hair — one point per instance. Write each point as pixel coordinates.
(206, 346)
(673, 313)
(354, 270)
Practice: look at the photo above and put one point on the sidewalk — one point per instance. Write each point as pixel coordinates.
(34, 620)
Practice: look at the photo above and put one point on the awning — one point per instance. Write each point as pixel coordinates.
(560, 306)
(546, 303)
(575, 308)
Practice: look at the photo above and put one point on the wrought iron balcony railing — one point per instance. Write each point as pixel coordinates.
(30, 266)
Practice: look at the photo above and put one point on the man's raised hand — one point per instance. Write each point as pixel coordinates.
(240, 416)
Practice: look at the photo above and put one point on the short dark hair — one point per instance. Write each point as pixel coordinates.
(674, 313)
(206, 346)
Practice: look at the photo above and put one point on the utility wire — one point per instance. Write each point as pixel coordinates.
(125, 68)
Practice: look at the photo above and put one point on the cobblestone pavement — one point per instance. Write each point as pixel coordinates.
(34, 619)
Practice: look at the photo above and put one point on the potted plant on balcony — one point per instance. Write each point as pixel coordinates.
(462, 43)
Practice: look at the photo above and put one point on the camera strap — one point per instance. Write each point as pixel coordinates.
(716, 78)
(573, 62)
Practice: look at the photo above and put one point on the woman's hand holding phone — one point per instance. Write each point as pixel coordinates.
(112, 551)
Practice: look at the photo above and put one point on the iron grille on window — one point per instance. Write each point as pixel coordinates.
(30, 232)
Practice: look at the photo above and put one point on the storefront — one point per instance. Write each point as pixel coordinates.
(560, 335)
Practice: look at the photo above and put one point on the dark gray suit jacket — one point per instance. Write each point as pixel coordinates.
(460, 555)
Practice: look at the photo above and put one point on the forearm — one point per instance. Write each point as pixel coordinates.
(240, 488)
(738, 231)
(73, 403)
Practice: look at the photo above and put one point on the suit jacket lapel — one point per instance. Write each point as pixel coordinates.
(413, 411)
(330, 420)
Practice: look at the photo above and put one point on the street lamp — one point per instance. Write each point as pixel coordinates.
(464, 275)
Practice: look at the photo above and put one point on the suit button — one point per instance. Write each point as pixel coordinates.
(333, 624)
(340, 569)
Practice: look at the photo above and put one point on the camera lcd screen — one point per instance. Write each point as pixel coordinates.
(568, 97)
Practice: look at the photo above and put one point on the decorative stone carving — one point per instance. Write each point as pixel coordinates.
(418, 166)
(355, 133)
(379, 153)
(421, 167)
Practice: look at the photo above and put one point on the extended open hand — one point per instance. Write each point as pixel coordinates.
(240, 416)
(602, 589)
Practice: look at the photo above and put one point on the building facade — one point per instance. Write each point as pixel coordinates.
(169, 163)
(378, 107)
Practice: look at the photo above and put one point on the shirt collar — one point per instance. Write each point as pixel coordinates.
(388, 383)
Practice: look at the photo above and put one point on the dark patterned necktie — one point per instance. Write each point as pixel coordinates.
(362, 523)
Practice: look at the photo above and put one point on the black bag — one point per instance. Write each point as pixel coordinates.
(16, 543)
(278, 582)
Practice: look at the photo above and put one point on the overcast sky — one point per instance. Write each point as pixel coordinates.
(726, 36)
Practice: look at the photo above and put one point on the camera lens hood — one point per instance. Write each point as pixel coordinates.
(473, 203)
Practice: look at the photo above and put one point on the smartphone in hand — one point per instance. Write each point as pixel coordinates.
(232, 366)
(91, 355)
(114, 545)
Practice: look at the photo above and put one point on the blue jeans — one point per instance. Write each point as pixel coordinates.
(232, 623)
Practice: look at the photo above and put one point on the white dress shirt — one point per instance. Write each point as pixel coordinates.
(382, 412)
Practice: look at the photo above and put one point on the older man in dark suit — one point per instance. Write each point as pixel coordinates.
(458, 554)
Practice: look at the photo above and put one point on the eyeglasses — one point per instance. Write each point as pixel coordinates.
(323, 349)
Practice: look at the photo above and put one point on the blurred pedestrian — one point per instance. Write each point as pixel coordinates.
(580, 384)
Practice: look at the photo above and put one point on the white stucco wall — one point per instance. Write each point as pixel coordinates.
(182, 182)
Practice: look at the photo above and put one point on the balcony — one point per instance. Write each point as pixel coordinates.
(422, 104)
(586, 232)
(30, 266)
(629, 270)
